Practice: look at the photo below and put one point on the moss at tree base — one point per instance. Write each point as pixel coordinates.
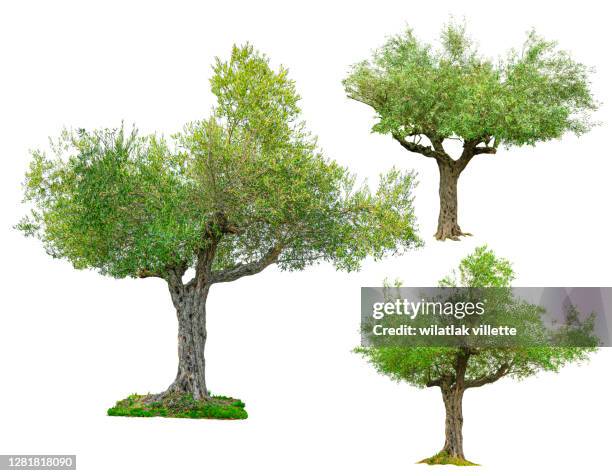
(444, 458)
(180, 405)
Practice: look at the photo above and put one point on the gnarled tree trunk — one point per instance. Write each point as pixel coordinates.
(450, 169)
(448, 228)
(453, 399)
(189, 300)
(190, 304)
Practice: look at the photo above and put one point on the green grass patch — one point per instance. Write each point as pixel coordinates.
(444, 458)
(180, 405)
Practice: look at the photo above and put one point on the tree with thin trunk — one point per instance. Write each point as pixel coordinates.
(227, 197)
(472, 364)
(425, 98)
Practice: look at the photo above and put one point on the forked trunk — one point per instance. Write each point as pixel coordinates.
(448, 228)
(191, 313)
(453, 444)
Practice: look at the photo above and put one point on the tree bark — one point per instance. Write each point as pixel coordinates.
(190, 304)
(448, 227)
(453, 402)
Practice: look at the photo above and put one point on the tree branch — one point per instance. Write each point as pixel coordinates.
(503, 370)
(470, 149)
(438, 147)
(247, 269)
(213, 234)
(417, 148)
(174, 276)
(171, 272)
(224, 225)
(484, 150)
(145, 273)
(445, 380)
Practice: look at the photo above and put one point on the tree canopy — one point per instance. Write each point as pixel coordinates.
(425, 95)
(532, 94)
(469, 366)
(239, 190)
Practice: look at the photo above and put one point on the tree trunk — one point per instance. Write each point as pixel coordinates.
(191, 312)
(448, 228)
(453, 444)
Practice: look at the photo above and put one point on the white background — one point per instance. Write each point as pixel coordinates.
(73, 342)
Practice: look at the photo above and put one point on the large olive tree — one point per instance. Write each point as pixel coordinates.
(228, 196)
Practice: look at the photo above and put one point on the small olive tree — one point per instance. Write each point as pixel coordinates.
(228, 196)
(425, 97)
(473, 363)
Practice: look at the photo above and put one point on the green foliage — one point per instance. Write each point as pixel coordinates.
(539, 349)
(533, 94)
(117, 202)
(249, 178)
(481, 269)
(180, 405)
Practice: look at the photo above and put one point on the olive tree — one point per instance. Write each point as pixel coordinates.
(228, 196)
(473, 363)
(426, 97)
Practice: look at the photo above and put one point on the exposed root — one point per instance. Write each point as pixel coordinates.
(153, 397)
(169, 395)
(450, 233)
